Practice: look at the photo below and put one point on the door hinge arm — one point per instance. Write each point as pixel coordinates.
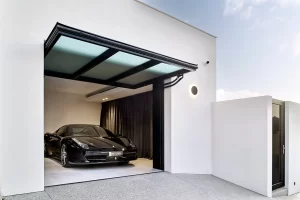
(172, 83)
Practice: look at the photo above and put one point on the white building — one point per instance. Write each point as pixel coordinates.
(219, 142)
(24, 28)
(255, 144)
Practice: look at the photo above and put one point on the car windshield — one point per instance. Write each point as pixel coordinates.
(82, 130)
(103, 132)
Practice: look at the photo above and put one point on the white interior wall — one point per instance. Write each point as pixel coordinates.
(242, 143)
(65, 108)
(24, 28)
(292, 144)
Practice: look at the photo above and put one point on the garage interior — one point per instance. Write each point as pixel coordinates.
(66, 103)
(94, 80)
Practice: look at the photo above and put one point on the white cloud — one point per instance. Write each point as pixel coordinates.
(297, 45)
(247, 13)
(285, 3)
(223, 95)
(280, 19)
(237, 6)
(272, 9)
(258, 2)
(290, 46)
(283, 47)
(264, 23)
(259, 23)
(233, 6)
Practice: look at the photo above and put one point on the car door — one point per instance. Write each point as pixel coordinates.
(51, 143)
(55, 139)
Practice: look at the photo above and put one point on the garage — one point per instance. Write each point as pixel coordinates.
(181, 120)
(103, 106)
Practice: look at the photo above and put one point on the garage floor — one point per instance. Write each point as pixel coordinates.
(158, 186)
(55, 174)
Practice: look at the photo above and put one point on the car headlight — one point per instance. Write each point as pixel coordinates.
(82, 145)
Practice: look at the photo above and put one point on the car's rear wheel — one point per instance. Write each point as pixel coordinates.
(64, 157)
(46, 154)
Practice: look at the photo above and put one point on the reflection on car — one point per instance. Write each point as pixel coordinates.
(80, 144)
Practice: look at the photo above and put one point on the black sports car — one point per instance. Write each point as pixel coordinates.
(80, 144)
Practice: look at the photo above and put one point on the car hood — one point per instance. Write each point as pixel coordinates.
(100, 142)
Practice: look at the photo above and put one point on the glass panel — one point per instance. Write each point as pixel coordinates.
(118, 63)
(68, 55)
(276, 120)
(148, 74)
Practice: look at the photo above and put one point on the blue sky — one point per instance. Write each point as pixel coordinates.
(258, 45)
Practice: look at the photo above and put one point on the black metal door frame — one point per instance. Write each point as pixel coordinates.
(158, 125)
(282, 149)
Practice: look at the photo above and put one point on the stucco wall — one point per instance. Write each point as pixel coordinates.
(24, 27)
(292, 144)
(242, 143)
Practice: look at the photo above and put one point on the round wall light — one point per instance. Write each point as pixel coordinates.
(194, 90)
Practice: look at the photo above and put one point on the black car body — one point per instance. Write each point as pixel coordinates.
(80, 144)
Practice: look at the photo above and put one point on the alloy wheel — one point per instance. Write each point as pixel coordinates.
(64, 155)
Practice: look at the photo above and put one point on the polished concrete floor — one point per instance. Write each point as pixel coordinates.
(55, 174)
(155, 186)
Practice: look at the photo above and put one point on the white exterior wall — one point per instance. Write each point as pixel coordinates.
(191, 115)
(167, 129)
(242, 143)
(1, 105)
(24, 27)
(292, 144)
(62, 108)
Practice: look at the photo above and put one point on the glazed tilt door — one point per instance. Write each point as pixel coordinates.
(278, 146)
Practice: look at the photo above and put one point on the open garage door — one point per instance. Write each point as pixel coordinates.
(78, 55)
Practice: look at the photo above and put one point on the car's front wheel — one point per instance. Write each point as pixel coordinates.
(64, 157)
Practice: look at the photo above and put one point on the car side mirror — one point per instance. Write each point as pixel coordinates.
(47, 137)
